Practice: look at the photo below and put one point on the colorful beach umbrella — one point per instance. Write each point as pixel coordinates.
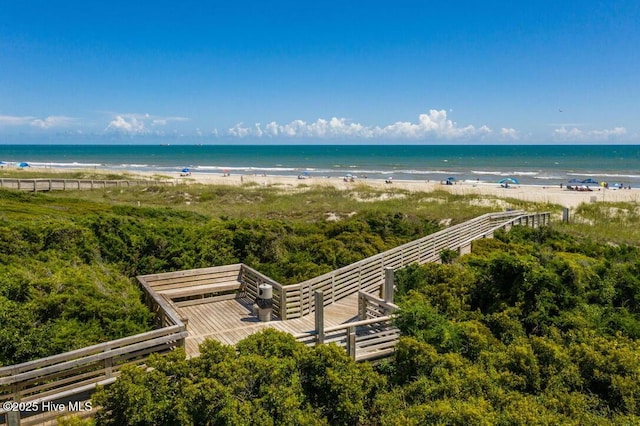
(186, 170)
(22, 165)
(509, 180)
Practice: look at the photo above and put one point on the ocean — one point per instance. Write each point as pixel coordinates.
(529, 164)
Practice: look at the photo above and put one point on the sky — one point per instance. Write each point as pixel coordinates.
(402, 71)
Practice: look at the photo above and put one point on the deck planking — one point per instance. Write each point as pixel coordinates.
(230, 321)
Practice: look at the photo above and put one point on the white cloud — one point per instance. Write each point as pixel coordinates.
(8, 120)
(435, 124)
(577, 135)
(52, 121)
(126, 124)
(509, 133)
(41, 123)
(139, 124)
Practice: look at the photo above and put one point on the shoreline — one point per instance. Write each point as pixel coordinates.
(542, 194)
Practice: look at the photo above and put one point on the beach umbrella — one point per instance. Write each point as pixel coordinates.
(451, 178)
(21, 165)
(186, 170)
(509, 180)
(575, 181)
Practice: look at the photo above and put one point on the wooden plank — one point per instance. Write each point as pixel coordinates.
(150, 278)
(205, 300)
(201, 289)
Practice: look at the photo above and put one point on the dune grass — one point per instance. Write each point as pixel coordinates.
(615, 222)
(306, 203)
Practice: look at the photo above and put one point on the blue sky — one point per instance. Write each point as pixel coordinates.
(320, 72)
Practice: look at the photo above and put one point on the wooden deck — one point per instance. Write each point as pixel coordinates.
(230, 321)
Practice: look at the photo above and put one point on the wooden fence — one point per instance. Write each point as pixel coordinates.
(37, 185)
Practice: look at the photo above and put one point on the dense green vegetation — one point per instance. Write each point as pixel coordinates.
(67, 264)
(267, 379)
(534, 327)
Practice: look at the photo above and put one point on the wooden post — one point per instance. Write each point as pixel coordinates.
(362, 307)
(319, 301)
(351, 342)
(13, 418)
(333, 287)
(108, 364)
(389, 280)
(283, 303)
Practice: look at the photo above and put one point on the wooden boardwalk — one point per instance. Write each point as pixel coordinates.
(230, 321)
(216, 303)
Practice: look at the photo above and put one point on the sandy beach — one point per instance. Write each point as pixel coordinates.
(532, 193)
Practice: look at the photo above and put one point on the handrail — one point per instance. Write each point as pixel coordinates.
(545, 220)
(348, 325)
(37, 364)
(341, 283)
(58, 184)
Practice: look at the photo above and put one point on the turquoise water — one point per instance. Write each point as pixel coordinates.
(530, 164)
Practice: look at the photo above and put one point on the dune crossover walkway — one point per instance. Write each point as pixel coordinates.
(351, 306)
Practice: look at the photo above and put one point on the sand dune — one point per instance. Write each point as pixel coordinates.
(533, 193)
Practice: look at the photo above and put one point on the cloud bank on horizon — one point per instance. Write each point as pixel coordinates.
(432, 126)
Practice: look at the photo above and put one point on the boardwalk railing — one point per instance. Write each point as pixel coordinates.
(373, 337)
(368, 274)
(72, 376)
(36, 185)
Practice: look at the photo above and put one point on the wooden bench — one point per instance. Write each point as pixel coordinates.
(201, 289)
(204, 293)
